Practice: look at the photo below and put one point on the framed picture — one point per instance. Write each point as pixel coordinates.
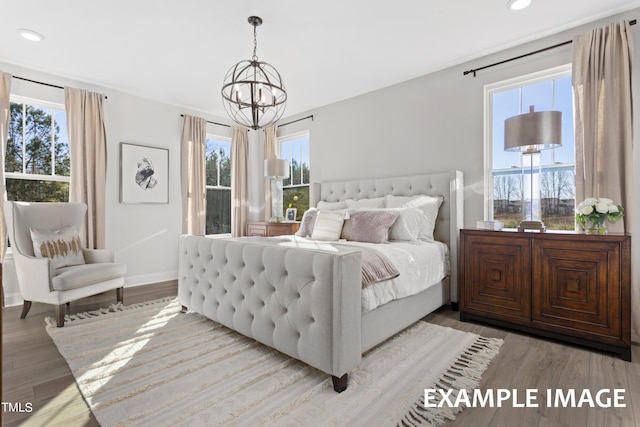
(144, 174)
(290, 216)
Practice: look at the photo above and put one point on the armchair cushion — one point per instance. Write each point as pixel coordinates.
(78, 276)
(62, 246)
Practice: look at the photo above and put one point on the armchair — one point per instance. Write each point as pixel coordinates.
(62, 271)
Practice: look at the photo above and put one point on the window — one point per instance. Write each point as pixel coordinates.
(218, 171)
(295, 149)
(37, 159)
(547, 90)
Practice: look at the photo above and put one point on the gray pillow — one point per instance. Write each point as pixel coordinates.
(368, 226)
(308, 221)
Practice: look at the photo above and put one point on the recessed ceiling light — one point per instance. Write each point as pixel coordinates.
(518, 4)
(30, 35)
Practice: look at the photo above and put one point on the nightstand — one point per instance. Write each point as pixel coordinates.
(567, 286)
(270, 229)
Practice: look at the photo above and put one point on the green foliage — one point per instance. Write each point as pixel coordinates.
(218, 211)
(29, 148)
(296, 197)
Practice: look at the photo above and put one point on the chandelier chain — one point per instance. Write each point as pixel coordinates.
(255, 44)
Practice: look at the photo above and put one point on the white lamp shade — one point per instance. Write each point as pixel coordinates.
(276, 168)
(533, 131)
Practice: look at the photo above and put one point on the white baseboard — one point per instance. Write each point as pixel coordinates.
(149, 279)
(14, 298)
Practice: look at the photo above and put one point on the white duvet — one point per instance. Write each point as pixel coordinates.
(421, 265)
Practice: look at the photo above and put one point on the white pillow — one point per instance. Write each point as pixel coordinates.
(62, 246)
(328, 225)
(427, 204)
(409, 225)
(331, 206)
(376, 202)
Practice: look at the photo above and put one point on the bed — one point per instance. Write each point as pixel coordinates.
(304, 297)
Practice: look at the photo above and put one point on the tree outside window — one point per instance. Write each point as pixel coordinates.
(37, 159)
(547, 90)
(218, 185)
(295, 149)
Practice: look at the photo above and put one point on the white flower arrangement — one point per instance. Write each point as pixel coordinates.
(597, 210)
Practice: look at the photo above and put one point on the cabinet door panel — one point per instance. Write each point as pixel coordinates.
(497, 276)
(577, 287)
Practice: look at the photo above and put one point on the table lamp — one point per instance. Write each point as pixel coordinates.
(276, 170)
(528, 134)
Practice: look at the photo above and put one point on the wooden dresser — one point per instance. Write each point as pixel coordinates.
(567, 286)
(270, 229)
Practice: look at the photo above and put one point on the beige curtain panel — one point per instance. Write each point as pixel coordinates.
(602, 61)
(239, 181)
(603, 117)
(193, 175)
(5, 112)
(88, 147)
(270, 152)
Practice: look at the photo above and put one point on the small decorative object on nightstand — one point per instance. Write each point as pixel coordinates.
(566, 286)
(270, 229)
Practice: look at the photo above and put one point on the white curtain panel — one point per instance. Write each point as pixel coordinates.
(239, 185)
(602, 61)
(270, 152)
(193, 175)
(5, 112)
(88, 147)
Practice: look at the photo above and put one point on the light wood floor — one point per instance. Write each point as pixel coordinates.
(33, 371)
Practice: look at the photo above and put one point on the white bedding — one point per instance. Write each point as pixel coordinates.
(421, 265)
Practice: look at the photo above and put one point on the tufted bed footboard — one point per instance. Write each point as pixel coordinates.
(305, 303)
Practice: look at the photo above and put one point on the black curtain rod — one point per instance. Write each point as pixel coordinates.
(284, 124)
(42, 83)
(473, 71)
(298, 120)
(213, 123)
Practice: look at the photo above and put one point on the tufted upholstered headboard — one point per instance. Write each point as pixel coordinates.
(446, 184)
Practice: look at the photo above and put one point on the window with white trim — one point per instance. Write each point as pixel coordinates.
(218, 184)
(295, 149)
(37, 158)
(546, 90)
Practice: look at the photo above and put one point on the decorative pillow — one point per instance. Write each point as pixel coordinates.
(308, 220)
(331, 206)
(371, 226)
(410, 222)
(328, 225)
(62, 246)
(427, 204)
(377, 202)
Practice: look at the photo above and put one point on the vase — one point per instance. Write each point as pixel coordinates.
(596, 226)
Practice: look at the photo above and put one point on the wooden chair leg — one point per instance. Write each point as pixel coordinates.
(25, 309)
(340, 384)
(60, 310)
(120, 294)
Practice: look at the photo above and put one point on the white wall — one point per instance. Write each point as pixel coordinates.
(436, 122)
(144, 236)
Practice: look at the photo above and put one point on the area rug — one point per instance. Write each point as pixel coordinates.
(150, 365)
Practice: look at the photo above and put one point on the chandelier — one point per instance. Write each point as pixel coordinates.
(253, 92)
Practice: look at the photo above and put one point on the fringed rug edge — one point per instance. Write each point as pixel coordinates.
(113, 308)
(464, 372)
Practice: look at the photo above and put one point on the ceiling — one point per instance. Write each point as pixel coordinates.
(178, 52)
